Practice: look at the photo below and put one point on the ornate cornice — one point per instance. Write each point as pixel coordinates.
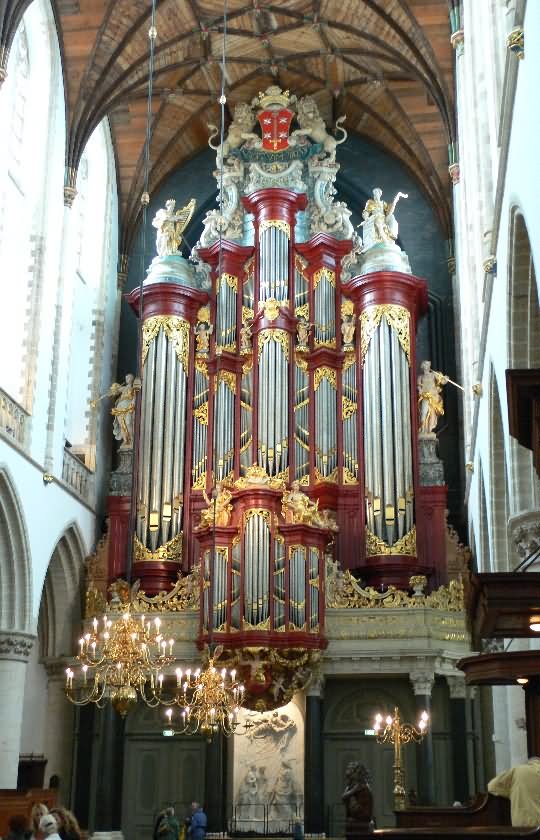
(15, 646)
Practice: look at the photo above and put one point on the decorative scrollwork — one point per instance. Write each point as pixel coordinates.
(230, 279)
(171, 551)
(229, 378)
(343, 591)
(326, 274)
(397, 317)
(348, 408)
(201, 414)
(325, 373)
(284, 227)
(183, 596)
(406, 545)
(177, 331)
(281, 336)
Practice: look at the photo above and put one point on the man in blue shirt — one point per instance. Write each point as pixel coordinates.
(197, 828)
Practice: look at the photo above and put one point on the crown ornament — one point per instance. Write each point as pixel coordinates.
(273, 96)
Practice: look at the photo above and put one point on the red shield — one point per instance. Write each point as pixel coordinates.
(275, 127)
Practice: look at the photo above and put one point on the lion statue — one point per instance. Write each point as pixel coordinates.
(313, 126)
(239, 130)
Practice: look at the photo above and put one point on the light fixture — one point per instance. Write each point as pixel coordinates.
(392, 730)
(534, 623)
(522, 680)
(210, 700)
(120, 662)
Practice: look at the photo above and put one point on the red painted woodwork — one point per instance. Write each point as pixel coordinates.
(393, 569)
(324, 251)
(233, 256)
(275, 203)
(389, 287)
(156, 575)
(118, 511)
(167, 299)
(431, 505)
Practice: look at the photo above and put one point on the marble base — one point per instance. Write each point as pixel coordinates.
(121, 477)
(384, 256)
(430, 466)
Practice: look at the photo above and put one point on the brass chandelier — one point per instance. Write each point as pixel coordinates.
(210, 700)
(120, 663)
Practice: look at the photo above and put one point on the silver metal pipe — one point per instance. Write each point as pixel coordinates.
(387, 430)
(146, 441)
(375, 402)
(179, 458)
(169, 434)
(157, 433)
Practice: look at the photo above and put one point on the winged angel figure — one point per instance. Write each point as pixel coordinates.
(170, 225)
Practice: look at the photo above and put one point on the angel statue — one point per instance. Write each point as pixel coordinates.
(430, 403)
(220, 513)
(379, 219)
(170, 225)
(123, 410)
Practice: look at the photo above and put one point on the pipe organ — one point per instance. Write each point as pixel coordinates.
(278, 416)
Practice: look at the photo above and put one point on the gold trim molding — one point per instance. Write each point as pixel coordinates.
(266, 224)
(281, 336)
(177, 331)
(406, 545)
(398, 319)
(171, 551)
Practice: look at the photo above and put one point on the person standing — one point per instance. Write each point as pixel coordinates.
(521, 785)
(199, 821)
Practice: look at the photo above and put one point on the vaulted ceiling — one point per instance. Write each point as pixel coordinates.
(386, 64)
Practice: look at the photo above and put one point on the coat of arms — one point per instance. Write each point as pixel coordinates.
(275, 127)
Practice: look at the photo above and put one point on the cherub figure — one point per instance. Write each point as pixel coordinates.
(170, 225)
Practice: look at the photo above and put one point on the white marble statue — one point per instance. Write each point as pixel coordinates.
(123, 410)
(379, 223)
(430, 403)
(170, 225)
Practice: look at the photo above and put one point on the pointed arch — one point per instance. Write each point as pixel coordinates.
(523, 351)
(15, 564)
(60, 609)
(499, 506)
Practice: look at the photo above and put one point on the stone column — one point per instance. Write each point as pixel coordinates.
(14, 652)
(314, 759)
(458, 733)
(215, 783)
(422, 683)
(109, 775)
(59, 734)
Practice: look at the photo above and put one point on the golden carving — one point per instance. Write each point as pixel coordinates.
(343, 591)
(405, 545)
(271, 308)
(171, 551)
(349, 477)
(324, 373)
(257, 476)
(247, 366)
(347, 307)
(326, 274)
(200, 482)
(281, 336)
(219, 508)
(201, 414)
(301, 264)
(201, 366)
(258, 512)
(183, 596)
(302, 311)
(332, 478)
(96, 579)
(348, 407)
(301, 363)
(229, 378)
(247, 314)
(177, 331)
(203, 313)
(397, 317)
(284, 227)
(348, 361)
(232, 282)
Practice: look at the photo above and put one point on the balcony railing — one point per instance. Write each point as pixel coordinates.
(14, 420)
(78, 476)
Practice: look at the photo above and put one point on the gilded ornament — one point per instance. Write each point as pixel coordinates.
(271, 308)
(301, 264)
(332, 477)
(516, 42)
(184, 595)
(284, 227)
(324, 274)
(177, 331)
(301, 363)
(348, 361)
(219, 507)
(349, 477)
(247, 366)
(203, 313)
(348, 408)
(201, 414)
(247, 314)
(201, 366)
(325, 373)
(302, 311)
(347, 307)
(406, 545)
(248, 514)
(200, 482)
(171, 551)
(280, 336)
(230, 280)
(229, 378)
(398, 319)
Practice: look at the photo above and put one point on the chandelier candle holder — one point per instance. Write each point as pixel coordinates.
(120, 662)
(210, 700)
(392, 730)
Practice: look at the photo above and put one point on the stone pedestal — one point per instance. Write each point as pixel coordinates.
(14, 652)
(122, 476)
(430, 466)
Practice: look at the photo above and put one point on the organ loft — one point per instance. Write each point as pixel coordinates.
(290, 502)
